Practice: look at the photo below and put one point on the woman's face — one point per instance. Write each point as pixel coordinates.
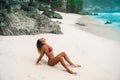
(43, 40)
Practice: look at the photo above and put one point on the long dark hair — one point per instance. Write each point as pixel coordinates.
(39, 44)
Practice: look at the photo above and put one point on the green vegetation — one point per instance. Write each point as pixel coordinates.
(75, 6)
(75, 3)
(57, 3)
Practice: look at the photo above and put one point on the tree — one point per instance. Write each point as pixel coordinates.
(74, 6)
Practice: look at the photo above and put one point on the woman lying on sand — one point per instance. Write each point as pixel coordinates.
(44, 48)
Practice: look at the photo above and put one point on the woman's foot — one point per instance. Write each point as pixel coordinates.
(71, 72)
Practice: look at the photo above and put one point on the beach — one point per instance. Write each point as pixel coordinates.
(98, 55)
(99, 28)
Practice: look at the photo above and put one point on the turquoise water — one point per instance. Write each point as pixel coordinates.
(111, 17)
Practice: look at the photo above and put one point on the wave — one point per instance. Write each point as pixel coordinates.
(115, 13)
(113, 17)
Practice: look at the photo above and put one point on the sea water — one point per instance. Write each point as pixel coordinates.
(113, 17)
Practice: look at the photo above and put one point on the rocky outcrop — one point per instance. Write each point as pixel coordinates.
(21, 24)
(108, 22)
(52, 14)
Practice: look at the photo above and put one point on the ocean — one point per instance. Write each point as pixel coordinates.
(113, 17)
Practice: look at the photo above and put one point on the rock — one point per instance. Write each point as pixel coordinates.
(80, 24)
(57, 15)
(20, 24)
(52, 14)
(108, 22)
(94, 13)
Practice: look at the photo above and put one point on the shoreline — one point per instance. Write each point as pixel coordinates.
(96, 27)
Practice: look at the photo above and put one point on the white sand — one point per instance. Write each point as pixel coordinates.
(98, 56)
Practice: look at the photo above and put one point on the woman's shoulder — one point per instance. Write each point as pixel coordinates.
(43, 49)
(44, 46)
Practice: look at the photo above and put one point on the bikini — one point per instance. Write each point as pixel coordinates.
(50, 49)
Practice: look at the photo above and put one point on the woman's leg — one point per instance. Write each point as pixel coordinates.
(59, 58)
(68, 70)
(68, 60)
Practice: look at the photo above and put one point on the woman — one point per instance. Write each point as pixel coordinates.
(45, 49)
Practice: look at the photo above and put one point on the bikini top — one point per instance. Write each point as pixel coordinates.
(50, 49)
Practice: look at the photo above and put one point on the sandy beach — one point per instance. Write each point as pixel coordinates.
(98, 55)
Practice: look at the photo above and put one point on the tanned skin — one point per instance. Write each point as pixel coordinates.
(53, 60)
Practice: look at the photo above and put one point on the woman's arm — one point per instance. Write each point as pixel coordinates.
(40, 57)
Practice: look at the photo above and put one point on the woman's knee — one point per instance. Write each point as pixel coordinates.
(61, 59)
(63, 53)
